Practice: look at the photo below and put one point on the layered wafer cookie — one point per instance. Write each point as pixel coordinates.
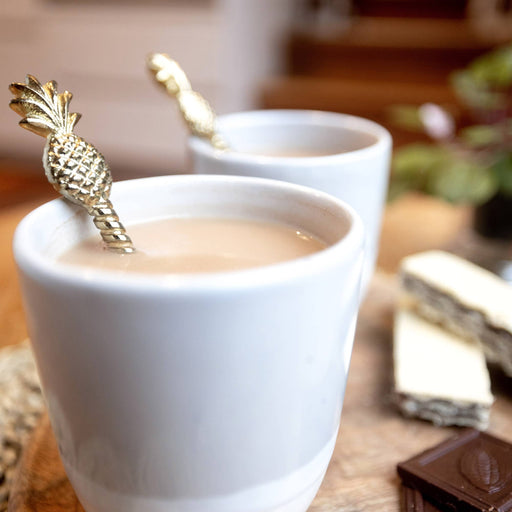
(439, 376)
(466, 299)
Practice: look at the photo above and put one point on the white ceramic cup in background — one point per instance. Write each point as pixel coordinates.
(355, 169)
(215, 392)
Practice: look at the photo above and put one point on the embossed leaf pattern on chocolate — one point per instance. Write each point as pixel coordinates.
(483, 470)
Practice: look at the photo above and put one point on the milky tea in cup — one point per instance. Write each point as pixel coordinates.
(199, 392)
(345, 156)
(198, 245)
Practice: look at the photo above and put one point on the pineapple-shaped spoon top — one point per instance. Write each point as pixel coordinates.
(196, 111)
(75, 168)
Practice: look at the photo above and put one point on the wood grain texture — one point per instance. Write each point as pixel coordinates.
(373, 435)
(12, 321)
(41, 483)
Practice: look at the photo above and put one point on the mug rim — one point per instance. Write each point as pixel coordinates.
(32, 260)
(268, 117)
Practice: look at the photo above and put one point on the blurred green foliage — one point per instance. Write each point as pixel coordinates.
(474, 163)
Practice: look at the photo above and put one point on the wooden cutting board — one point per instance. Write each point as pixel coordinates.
(373, 435)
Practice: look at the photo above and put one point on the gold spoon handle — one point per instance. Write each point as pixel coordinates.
(197, 112)
(111, 229)
(75, 168)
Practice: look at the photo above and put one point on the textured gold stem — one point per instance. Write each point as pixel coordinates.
(218, 142)
(197, 112)
(111, 229)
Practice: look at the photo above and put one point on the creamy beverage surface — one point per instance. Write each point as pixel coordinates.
(197, 245)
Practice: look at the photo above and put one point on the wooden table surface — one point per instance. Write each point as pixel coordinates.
(12, 322)
(373, 435)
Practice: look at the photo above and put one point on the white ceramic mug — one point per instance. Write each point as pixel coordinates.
(217, 392)
(355, 168)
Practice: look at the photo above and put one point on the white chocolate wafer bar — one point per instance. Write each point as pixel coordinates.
(466, 299)
(439, 376)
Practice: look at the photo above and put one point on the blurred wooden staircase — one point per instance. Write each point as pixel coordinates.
(394, 52)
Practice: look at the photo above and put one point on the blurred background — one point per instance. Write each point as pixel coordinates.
(360, 57)
(354, 56)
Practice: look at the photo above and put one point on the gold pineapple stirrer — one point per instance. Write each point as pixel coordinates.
(197, 112)
(75, 168)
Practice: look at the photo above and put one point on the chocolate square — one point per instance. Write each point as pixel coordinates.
(470, 472)
(411, 500)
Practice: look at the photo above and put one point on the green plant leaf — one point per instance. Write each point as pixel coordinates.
(475, 94)
(485, 82)
(412, 166)
(415, 160)
(406, 116)
(462, 182)
(494, 69)
(502, 170)
(482, 135)
(397, 188)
